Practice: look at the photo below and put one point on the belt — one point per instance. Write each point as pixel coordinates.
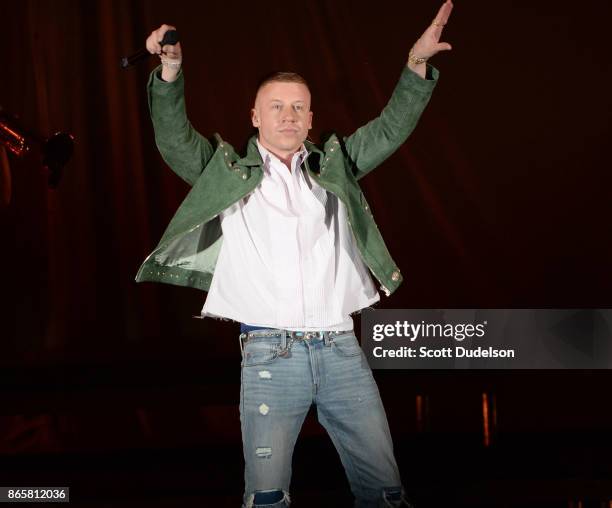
(295, 335)
(291, 336)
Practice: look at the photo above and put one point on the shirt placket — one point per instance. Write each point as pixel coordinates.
(305, 228)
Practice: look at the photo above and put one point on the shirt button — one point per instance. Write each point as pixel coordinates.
(395, 276)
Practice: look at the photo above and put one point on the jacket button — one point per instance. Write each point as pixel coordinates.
(244, 176)
(395, 276)
(331, 149)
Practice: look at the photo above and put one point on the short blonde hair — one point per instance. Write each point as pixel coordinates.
(282, 77)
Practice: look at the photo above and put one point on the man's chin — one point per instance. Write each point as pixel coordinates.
(293, 146)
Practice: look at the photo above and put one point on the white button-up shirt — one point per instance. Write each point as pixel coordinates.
(288, 258)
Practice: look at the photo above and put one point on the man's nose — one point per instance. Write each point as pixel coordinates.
(289, 115)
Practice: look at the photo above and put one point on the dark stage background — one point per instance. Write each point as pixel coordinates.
(500, 198)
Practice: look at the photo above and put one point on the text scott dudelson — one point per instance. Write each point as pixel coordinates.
(446, 352)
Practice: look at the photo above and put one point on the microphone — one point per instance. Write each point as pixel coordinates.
(170, 37)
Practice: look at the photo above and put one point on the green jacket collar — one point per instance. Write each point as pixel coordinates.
(253, 157)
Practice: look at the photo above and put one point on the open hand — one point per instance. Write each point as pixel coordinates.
(429, 43)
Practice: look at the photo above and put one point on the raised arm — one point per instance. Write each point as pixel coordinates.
(184, 149)
(371, 144)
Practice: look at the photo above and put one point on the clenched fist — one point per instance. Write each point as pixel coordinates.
(171, 55)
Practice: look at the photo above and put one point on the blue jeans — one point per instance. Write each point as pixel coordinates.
(280, 380)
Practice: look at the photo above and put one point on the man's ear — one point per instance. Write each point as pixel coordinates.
(310, 120)
(254, 118)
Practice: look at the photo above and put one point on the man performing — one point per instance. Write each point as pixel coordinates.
(283, 241)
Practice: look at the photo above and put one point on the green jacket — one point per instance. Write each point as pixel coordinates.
(188, 251)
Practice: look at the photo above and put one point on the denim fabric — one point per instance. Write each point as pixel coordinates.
(275, 395)
(247, 328)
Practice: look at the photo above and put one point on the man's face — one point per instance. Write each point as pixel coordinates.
(282, 115)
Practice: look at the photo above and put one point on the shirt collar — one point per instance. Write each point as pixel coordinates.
(266, 155)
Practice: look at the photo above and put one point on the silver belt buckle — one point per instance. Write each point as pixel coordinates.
(314, 335)
(305, 335)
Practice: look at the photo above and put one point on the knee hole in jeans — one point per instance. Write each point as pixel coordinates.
(268, 497)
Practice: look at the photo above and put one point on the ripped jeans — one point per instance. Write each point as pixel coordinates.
(281, 378)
